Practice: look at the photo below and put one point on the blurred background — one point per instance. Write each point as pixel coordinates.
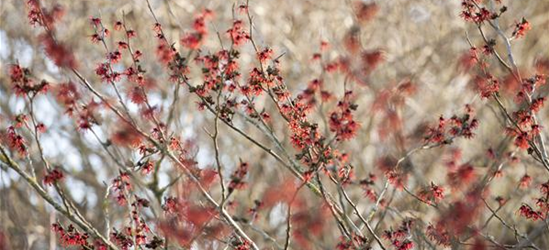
(423, 42)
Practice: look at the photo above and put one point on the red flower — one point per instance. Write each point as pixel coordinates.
(53, 176)
(522, 141)
(147, 167)
(164, 52)
(114, 56)
(487, 86)
(95, 21)
(372, 59)
(521, 28)
(529, 213)
(136, 95)
(462, 176)
(237, 33)
(438, 234)
(131, 33)
(237, 178)
(191, 40)
(41, 128)
(537, 104)
(264, 55)
(122, 45)
(118, 25)
(157, 28)
(16, 73)
(16, 141)
(525, 181)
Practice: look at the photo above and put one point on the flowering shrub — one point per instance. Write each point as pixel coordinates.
(269, 162)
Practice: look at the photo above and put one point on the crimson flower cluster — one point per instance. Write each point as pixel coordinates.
(237, 178)
(71, 237)
(432, 194)
(542, 204)
(192, 40)
(122, 186)
(342, 122)
(16, 141)
(23, 83)
(456, 126)
(400, 238)
(53, 176)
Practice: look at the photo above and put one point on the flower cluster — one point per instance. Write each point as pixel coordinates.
(456, 126)
(193, 40)
(16, 141)
(542, 204)
(487, 86)
(473, 12)
(400, 238)
(24, 85)
(71, 237)
(237, 33)
(122, 239)
(432, 194)
(53, 177)
(438, 234)
(122, 186)
(521, 28)
(237, 178)
(529, 213)
(341, 121)
(42, 16)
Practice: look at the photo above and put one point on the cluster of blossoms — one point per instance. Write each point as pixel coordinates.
(134, 74)
(473, 12)
(368, 185)
(461, 175)
(432, 194)
(53, 176)
(86, 114)
(456, 126)
(23, 84)
(400, 238)
(123, 240)
(355, 242)
(438, 235)
(42, 16)
(122, 186)
(138, 231)
(16, 141)
(193, 40)
(70, 237)
(529, 213)
(237, 178)
(487, 86)
(542, 204)
(525, 127)
(237, 33)
(521, 28)
(342, 122)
